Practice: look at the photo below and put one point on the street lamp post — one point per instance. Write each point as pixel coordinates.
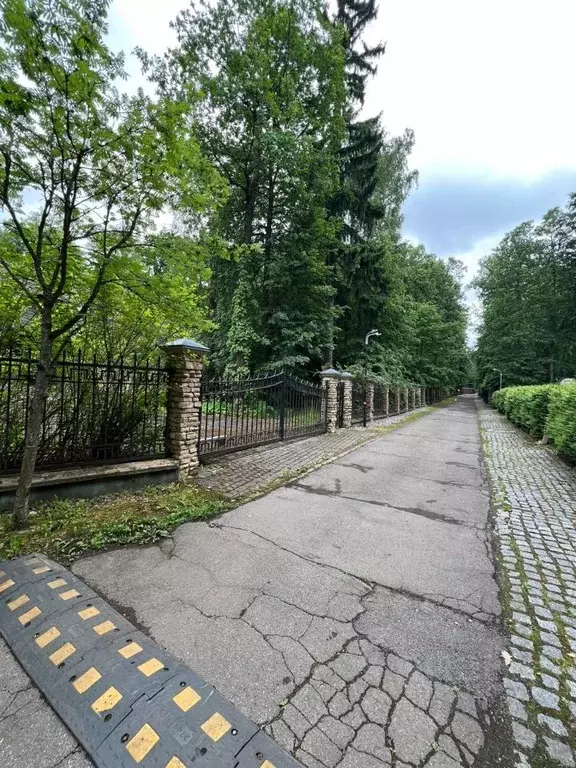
(500, 372)
(369, 335)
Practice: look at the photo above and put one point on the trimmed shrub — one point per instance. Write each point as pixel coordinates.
(561, 423)
(545, 409)
(526, 406)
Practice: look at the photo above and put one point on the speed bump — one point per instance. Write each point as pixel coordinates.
(127, 700)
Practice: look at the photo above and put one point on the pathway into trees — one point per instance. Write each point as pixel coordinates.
(354, 613)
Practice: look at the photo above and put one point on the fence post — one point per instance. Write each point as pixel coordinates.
(330, 379)
(282, 405)
(185, 363)
(348, 380)
(398, 400)
(368, 403)
(386, 400)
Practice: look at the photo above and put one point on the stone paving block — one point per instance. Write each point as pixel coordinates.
(540, 496)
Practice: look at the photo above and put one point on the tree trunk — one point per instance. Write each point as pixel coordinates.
(34, 430)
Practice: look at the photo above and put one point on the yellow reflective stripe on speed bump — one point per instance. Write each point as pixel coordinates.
(130, 650)
(150, 667)
(87, 680)
(267, 764)
(57, 583)
(186, 699)
(216, 726)
(109, 699)
(18, 603)
(42, 569)
(6, 585)
(29, 615)
(69, 594)
(88, 613)
(104, 628)
(43, 640)
(175, 763)
(145, 740)
(62, 653)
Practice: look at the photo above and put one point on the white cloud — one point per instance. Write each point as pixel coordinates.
(486, 86)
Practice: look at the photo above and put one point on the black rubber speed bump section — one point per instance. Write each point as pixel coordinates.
(127, 700)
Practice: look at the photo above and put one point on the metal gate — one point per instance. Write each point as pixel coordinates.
(248, 412)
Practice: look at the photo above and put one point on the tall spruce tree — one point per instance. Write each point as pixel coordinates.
(271, 116)
(355, 204)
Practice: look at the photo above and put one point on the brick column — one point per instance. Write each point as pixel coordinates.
(369, 402)
(185, 363)
(330, 380)
(348, 379)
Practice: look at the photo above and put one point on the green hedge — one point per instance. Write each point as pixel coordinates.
(547, 409)
(561, 424)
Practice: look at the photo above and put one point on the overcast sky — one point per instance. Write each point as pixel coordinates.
(488, 88)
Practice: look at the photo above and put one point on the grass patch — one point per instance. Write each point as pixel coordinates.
(65, 529)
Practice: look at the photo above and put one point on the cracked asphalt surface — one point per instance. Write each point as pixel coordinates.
(354, 613)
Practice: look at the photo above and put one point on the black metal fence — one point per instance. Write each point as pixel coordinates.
(359, 415)
(249, 412)
(379, 405)
(94, 413)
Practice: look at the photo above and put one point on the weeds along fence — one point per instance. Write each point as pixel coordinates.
(94, 413)
(240, 413)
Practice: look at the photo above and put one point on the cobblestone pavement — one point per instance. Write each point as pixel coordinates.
(31, 735)
(535, 503)
(353, 614)
(238, 474)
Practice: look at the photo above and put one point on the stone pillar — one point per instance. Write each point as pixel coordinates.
(406, 396)
(386, 401)
(330, 380)
(422, 396)
(369, 402)
(398, 404)
(348, 380)
(185, 363)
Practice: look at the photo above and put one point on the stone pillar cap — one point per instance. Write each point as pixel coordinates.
(330, 373)
(346, 375)
(193, 346)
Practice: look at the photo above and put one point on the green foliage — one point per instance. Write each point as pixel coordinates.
(561, 423)
(65, 529)
(525, 406)
(94, 168)
(528, 291)
(548, 409)
(270, 117)
(286, 242)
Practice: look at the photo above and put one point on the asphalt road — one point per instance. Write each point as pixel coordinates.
(354, 613)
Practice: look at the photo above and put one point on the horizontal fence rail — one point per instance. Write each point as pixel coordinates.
(94, 413)
(249, 412)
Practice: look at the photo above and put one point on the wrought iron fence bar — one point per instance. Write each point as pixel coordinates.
(94, 412)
